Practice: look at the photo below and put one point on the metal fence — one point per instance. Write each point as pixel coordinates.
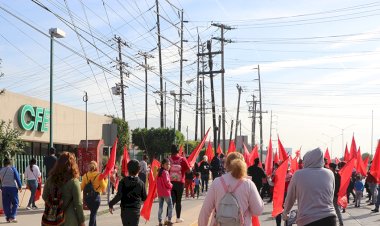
(22, 161)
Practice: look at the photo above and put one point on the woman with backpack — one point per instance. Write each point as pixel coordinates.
(92, 187)
(164, 187)
(63, 187)
(32, 173)
(232, 189)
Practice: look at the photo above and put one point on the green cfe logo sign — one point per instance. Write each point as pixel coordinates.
(33, 118)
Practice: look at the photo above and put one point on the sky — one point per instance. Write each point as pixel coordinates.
(318, 62)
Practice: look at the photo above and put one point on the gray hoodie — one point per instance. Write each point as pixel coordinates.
(313, 188)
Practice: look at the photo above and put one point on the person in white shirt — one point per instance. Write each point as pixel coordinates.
(32, 173)
(143, 168)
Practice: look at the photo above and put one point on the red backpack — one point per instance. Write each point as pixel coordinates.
(175, 171)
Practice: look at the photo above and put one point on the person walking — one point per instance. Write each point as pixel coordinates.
(143, 168)
(359, 188)
(96, 186)
(32, 173)
(64, 179)
(243, 190)
(163, 190)
(257, 174)
(216, 167)
(197, 185)
(377, 203)
(337, 179)
(372, 183)
(313, 188)
(131, 192)
(189, 190)
(49, 161)
(178, 167)
(10, 183)
(204, 168)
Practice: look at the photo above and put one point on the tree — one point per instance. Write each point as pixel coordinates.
(122, 134)
(364, 156)
(10, 141)
(192, 144)
(156, 141)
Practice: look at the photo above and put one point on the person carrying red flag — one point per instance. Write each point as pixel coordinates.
(257, 174)
(179, 166)
(313, 188)
(337, 179)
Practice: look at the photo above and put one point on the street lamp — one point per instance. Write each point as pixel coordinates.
(342, 134)
(54, 33)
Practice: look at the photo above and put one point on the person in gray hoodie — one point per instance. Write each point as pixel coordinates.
(313, 188)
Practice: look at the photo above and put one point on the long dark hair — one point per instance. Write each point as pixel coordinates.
(163, 162)
(32, 162)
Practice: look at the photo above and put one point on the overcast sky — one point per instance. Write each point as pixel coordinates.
(319, 61)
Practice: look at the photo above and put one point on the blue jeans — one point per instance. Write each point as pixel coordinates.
(169, 202)
(10, 202)
(33, 188)
(93, 205)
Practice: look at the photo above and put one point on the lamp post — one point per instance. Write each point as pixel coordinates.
(54, 33)
(342, 129)
(85, 99)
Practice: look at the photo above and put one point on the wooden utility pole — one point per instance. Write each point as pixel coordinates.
(210, 65)
(160, 67)
(232, 127)
(196, 101)
(121, 43)
(146, 67)
(261, 115)
(252, 110)
(237, 111)
(180, 74)
(201, 100)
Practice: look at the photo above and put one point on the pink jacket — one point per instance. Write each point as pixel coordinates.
(164, 186)
(247, 195)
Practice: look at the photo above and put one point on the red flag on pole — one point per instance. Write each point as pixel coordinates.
(246, 156)
(147, 207)
(345, 176)
(255, 221)
(327, 156)
(269, 159)
(281, 150)
(353, 149)
(219, 150)
(181, 150)
(298, 153)
(209, 152)
(193, 156)
(111, 161)
(360, 168)
(346, 155)
(231, 147)
(336, 160)
(375, 167)
(124, 162)
(254, 154)
(293, 164)
(279, 188)
(276, 160)
(365, 163)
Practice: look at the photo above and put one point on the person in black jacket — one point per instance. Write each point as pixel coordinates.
(332, 167)
(216, 167)
(131, 191)
(204, 168)
(257, 174)
(49, 161)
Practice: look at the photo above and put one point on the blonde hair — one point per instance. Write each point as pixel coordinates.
(93, 166)
(236, 165)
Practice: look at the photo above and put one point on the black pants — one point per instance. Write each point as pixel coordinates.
(130, 216)
(93, 204)
(177, 192)
(196, 190)
(350, 191)
(204, 179)
(328, 221)
(215, 174)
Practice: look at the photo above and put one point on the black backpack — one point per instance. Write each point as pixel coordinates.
(89, 190)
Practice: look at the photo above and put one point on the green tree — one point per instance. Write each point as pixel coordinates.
(10, 141)
(364, 156)
(122, 134)
(156, 141)
(190, 145)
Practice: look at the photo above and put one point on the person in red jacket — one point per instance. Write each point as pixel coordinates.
(164, 187)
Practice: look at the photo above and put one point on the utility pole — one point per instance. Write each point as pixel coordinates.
(252, 110)
(261, 115)
(270, 132)
(146, 67)
(232, 127)
(160, 67)
(222, 40)
(212, 93)
(238, 109)
(165, 92)
(201, 100)
(196, 101)
(219, 122)
(85, 99)
(121, 43)
(180, 73)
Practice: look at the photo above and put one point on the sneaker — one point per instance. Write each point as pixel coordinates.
(179, 220)
(28, 208)
(375, 210)
(35, 207)
(12, 220)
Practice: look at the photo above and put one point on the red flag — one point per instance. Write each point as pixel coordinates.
(294, 164)
(336, 160)
(247, 156)
(219, 150)
(345, 176)
(365, 163)
(111, 161)
(279, 188)
(346, 155)
(147, 207)
(360, 168)
(298, 153)
(269, 159)
(231, 147)
(276, 160)
(375, 167)
(255, 221)
(209, 152)
(124, 162)
(193, 156)
(181, 150)
(327, 156)
(353, 149)
(281, 150)
(254, 155)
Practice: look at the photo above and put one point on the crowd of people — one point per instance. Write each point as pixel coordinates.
(244, 188)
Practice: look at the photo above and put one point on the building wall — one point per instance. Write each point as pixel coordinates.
(68, 123)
